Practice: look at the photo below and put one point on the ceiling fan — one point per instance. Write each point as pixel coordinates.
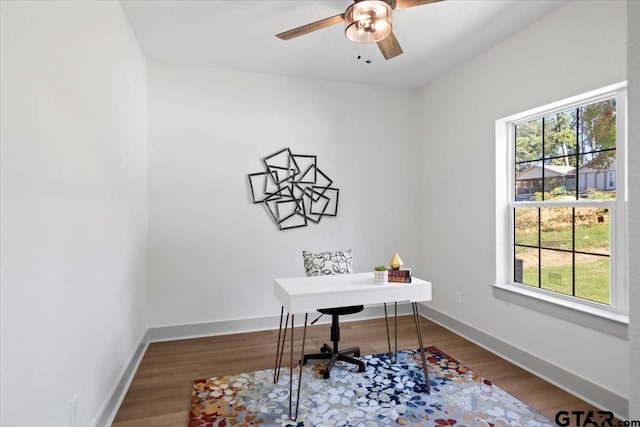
(366, 21)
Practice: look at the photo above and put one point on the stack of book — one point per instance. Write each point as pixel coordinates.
(402, 275)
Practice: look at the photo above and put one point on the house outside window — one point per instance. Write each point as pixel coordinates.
(567, 214)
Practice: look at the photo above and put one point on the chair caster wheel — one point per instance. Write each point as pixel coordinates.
(326, 375)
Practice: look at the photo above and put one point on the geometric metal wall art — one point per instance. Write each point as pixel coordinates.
(293, 190)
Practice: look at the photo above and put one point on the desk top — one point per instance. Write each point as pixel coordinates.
(307, 294)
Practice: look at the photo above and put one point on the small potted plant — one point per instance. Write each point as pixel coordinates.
(380, 275)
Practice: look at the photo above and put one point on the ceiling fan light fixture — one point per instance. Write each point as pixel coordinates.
(368, 21)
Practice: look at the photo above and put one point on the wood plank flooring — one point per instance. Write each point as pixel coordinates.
(159, 395)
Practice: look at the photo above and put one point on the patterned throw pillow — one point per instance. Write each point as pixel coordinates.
(327, 263)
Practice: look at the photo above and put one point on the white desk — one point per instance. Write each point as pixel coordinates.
(306, 294)
(299, 295)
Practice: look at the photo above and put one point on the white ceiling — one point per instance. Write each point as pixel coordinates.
(240, 35)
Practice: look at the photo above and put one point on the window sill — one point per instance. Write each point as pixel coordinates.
(593, 317)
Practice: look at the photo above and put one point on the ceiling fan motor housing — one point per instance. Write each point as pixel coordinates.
(368, 21)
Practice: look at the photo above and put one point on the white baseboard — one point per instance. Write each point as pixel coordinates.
(109, 410)
(226, 327)
(570, 382)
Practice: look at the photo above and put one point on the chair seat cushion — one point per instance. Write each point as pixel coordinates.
(342, 310)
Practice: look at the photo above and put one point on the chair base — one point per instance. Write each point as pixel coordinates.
(327, 353)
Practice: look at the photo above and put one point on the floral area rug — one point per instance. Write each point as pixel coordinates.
(385, 395)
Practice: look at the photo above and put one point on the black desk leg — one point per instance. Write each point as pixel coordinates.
(280, 348)
(386, 322)
(276, 366)
(291, 368)
(392, 360)
(425, 368)
(304, 337)
(395, 328)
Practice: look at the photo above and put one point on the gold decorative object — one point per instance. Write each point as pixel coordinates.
(395, 262)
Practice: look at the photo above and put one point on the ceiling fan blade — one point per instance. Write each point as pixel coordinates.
(309, 28)
(403, 4)
(390, 47)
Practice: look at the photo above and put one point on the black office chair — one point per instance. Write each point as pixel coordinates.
(327, 263)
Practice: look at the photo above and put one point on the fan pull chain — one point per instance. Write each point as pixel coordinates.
(367, 48)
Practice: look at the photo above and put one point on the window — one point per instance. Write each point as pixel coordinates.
(566, 234)
(612, 180)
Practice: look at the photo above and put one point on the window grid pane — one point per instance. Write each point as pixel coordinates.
(556, 228)
(592, 278)
(556, 271)
(563, 249)
(526, 263)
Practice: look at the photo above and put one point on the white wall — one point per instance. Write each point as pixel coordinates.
(73, 181)
(213, 254)
(633, 66)
(580, 47)
(73, 213)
